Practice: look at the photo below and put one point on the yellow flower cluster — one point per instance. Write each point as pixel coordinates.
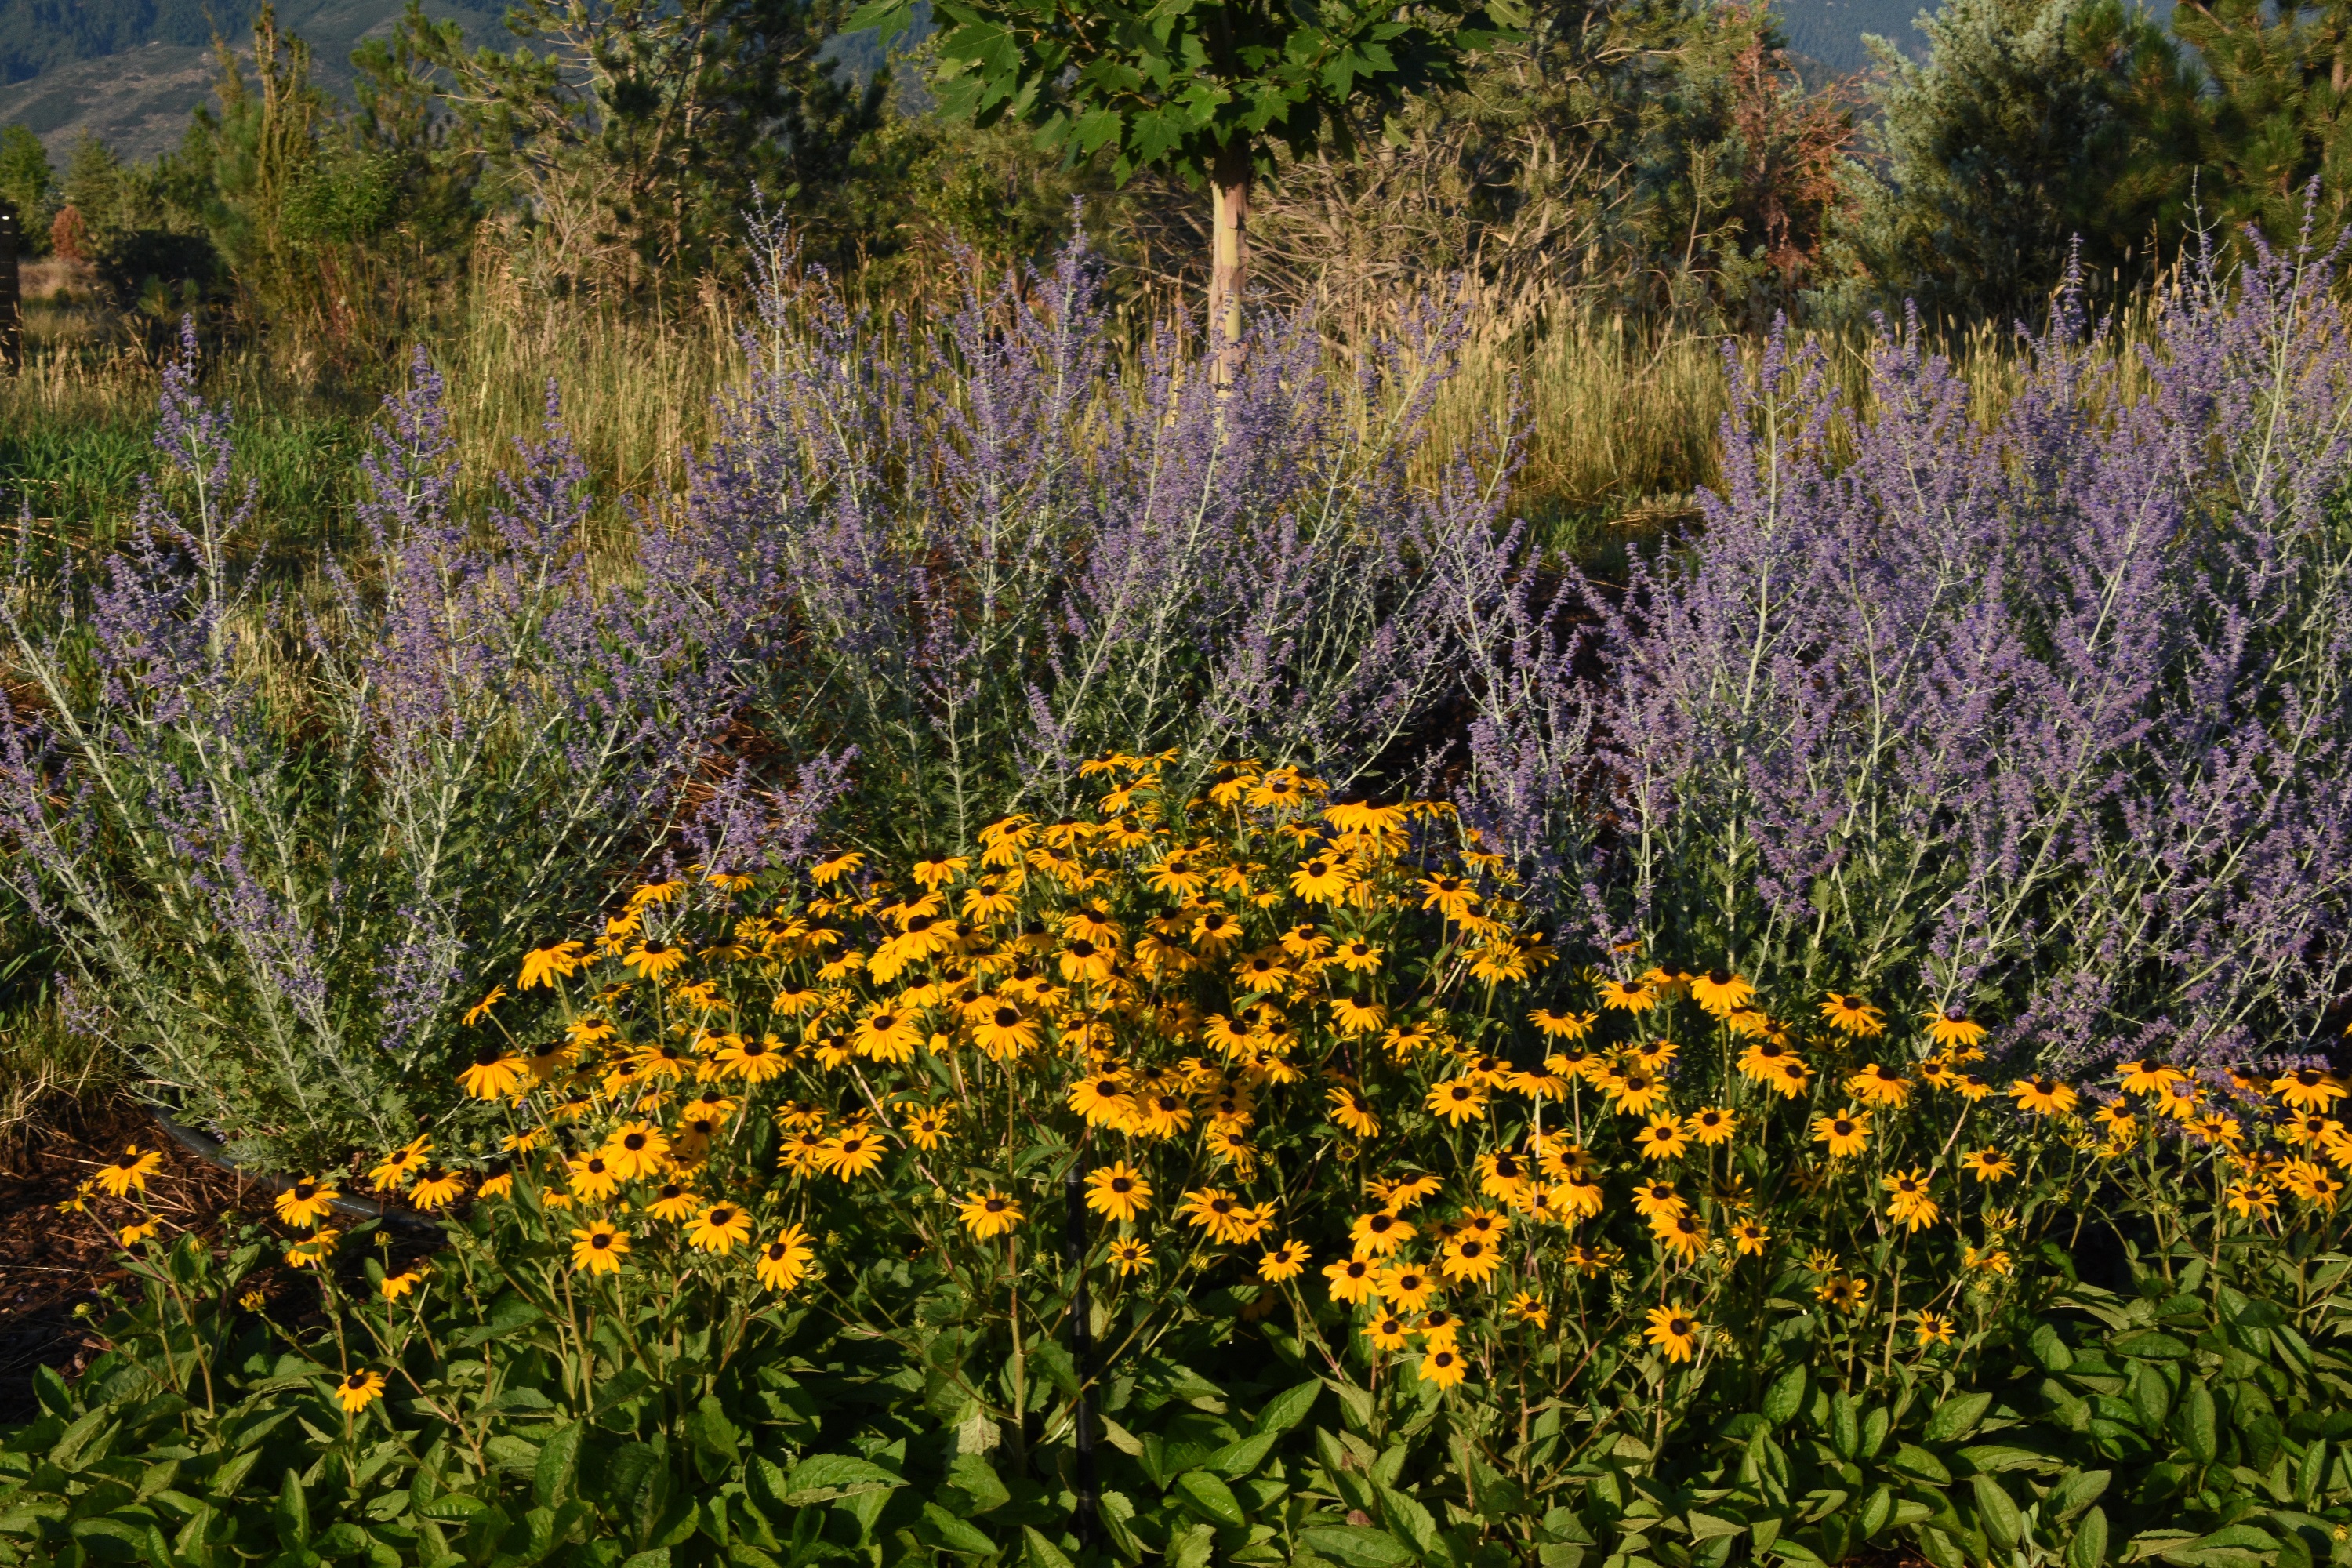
(1255, 1024)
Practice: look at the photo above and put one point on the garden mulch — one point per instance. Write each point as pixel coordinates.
(52, 1263)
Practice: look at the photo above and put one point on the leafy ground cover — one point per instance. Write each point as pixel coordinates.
(1018, 1054)
(1158, 1183)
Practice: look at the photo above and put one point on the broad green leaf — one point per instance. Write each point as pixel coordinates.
(1997, 1512)
(2049, 1348)
(1357, 1546)
(1707, 1526)
(2088, 1549)
(293, 1515)
(1040, 1552)
(1208, 1497)
(1407, 1518)
(558, 1465)
(1288, 1408)
(1957, 1418)
(1235, 1460)
(821, 1478)
(975, 1486)
(1915, 1461)
(2153, 1344)
(1996, 1458)
(2193, 1421)
(1785, 1397)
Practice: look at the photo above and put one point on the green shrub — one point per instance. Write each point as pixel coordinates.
(795, 1232)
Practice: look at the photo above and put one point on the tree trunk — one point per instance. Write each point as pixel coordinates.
(12, 315)
(1229, 179)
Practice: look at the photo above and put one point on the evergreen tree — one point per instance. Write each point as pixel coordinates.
(632, 134)
(25, 182)
(2033, 127)
(2279, 109)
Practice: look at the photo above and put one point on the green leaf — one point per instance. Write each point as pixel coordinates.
(1357, 1546)
(944, 1532)
(293, 1515)
(1877, 1511)
(553, 1476)
(825, 1476)
(2088, 1549)
(1407, 1518)
(1288, 1408)
(1785, 1397)
(1957, 1418)
(1210, 1498)
(2153, 1344)
(892, 17)
(1235, 1460)
(2193, 1424)
(1997, 1512)
(1996, 1459)
(2077, 1492)
(1916, 1462)
(1845, 1432)
(1708, 1527)
(973, 1483)
(1040, 1552)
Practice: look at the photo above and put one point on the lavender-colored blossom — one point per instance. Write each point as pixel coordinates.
(1000, 556)
(2044, 714)
(287, 853)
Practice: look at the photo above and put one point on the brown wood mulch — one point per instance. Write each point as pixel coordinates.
(52, 1263)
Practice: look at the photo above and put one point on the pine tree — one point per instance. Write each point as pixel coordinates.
(2035, 131)
(2280, 111)
(26, 182)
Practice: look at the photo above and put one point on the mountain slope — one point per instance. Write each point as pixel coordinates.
(129, 71)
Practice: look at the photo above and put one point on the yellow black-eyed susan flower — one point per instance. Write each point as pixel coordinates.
(1470, 1257)
(852, 1154)
(1953, 1026)
(1673, 1330)
(307, 1202)
(1721, 991)
(356, 1391)
(1852, 1014)
(130, 1174)
(1878, 1084)
(494, 1074)
(674, 1200)
(783, 1263)
(2043, 1096)
(1119, 1192)
(720, 1229)
(1847, 1133)
(1910, 1202)
(1286, 1260)
(599, 1249)
(1457, 1100)
(1406, 1287)
(1988, 1165)
(437, 1188)
(1443, 1367)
